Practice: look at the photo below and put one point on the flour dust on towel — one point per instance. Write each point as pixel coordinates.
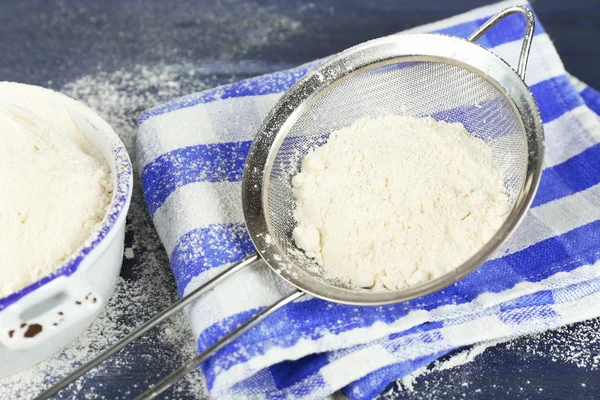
(192, 153)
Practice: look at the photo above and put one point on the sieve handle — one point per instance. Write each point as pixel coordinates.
(141, 330)
(179, 373)
(528, 38)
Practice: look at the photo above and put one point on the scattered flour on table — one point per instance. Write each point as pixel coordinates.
(394, 201)
(464, 357)
(573, 344)
(121, 96)
(56, 187)
(147, 284)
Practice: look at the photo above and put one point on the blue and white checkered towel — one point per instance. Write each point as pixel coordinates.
(192, 152)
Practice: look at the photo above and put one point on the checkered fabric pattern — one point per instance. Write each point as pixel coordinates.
(192, 152)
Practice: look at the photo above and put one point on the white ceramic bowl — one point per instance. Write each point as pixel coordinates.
(41, 319)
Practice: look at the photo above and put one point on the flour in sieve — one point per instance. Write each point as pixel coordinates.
(395, 201)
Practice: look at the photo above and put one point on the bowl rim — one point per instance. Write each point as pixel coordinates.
(117, 210)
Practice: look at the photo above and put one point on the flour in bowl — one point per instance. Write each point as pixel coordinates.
(55, 190)
(395, 201)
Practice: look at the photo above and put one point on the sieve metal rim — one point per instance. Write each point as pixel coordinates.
(392, 49)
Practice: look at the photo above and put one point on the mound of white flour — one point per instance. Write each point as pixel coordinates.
(55, 191)
(396, 201)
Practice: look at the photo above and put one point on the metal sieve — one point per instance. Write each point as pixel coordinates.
(422, 75)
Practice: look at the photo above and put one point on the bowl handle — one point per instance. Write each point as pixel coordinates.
(48, 312)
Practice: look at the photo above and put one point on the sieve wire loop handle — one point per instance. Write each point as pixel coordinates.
(527, 40)
(179, 373)
(141, 330)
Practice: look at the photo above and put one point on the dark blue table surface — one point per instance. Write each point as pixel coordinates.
(53, 43)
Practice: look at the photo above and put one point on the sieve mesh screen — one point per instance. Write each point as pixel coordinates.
(440, 90)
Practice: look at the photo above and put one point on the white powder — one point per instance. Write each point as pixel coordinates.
(396, 201)
(461, 358)
(148, 285)
(572, 345)
(56, 189)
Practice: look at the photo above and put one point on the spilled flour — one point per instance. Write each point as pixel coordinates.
(459, 374)
(461, 358)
